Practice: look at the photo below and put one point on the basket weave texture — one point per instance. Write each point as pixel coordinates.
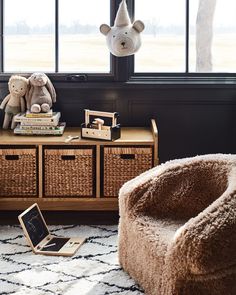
(18, 172)
(122, 164)
(68, 172)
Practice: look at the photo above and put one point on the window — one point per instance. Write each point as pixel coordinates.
(163, 40)
(181, 38)
(55, 36)
(29, 35)
(82, 48)
(187, 36)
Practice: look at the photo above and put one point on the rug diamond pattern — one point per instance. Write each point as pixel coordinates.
(93, 270)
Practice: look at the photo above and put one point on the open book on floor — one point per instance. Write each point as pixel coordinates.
(39, 237)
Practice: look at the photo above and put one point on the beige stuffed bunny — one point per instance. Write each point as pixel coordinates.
(41, 93)
(14, 102)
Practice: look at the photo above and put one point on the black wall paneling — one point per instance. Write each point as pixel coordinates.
(192, 120)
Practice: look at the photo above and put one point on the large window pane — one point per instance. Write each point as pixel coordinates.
(163, 40)
(213, 43)
(29, 35)
(82, 48)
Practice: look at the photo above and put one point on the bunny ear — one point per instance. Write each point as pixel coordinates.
(28, 96)
(122, 16)
(51, 90)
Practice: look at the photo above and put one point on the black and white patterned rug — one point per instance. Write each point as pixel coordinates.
(93, 270)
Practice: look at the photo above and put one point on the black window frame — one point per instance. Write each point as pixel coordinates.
(122, 68)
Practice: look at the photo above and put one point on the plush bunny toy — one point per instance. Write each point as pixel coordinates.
(41, 93)
(123, 38)
(14, 102)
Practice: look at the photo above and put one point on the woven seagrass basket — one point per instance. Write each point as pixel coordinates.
(18, 172)
(69, 172)
(122, 164)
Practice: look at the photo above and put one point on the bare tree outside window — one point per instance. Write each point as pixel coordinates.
(212, 36)
(204, 35)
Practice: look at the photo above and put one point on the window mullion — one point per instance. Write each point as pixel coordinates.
(56, 36)
(187, 38)
(1, 36)
(131, 59)
(124, 66)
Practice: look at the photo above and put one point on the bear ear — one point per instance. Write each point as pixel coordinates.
(138, 25)
(104, 29)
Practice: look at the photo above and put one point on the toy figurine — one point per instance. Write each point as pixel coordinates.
(14, 102)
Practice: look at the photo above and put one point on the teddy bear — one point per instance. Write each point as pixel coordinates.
(41, 94)
(14, 102)
(123, 39)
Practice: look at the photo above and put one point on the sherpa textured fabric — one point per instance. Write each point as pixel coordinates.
(177, 230)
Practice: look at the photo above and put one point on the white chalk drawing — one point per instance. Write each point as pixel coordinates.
(36, 225)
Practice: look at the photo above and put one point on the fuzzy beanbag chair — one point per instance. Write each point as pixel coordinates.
(177, 230)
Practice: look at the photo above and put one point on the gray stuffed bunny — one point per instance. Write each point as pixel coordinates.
(41, 93)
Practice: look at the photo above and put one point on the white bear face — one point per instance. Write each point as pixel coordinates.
(123, 41)
(123, 38)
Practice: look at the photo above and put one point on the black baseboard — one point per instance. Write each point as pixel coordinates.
(66, 217)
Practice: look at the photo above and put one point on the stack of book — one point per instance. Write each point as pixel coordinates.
(39, 123)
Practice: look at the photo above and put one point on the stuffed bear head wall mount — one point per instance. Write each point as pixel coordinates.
(123, 39)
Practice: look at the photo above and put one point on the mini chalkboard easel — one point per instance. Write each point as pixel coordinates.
(39, 237)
